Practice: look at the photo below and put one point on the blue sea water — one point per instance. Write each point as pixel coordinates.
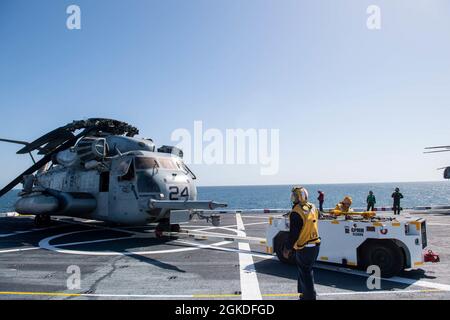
(250, 197)
(278, 196)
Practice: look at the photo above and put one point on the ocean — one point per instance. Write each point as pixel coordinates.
(252, 197)
(278, 196)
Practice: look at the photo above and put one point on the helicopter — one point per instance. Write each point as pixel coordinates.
(98, 169)
(438, 150)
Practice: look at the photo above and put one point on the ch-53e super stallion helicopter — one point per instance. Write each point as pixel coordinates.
(438, 150)
(97, 169)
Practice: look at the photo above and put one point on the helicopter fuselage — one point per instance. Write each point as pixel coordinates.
(121, 185)
(105, 173)
(122, 192)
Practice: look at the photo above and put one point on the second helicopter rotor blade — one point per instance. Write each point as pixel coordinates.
(438, 151)
(439, 147)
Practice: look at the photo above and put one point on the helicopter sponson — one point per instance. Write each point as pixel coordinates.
(99, 169)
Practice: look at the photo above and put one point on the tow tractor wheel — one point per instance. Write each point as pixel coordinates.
(278, 243)
(175, 228)
(385, 254)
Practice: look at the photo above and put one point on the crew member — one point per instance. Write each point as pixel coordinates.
(371, 200)
(344, 205)
(397, 196)
(321, 199)
(304, 239)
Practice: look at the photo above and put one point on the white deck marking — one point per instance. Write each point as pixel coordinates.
(45, 244)
(413, 282)
(18, 250)
(8, 214)
(348, 293)
(249, 280)
(273, 295)
(4, 235)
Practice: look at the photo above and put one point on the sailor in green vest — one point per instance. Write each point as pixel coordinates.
(304, 239)
(371, 200)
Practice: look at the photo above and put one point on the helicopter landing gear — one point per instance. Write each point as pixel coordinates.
(160, 228)
(166, 227)
(42, 220)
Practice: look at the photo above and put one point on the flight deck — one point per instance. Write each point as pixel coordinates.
(116, 262)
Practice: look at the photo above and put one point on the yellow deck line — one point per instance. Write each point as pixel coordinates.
(60, 294)
(207, 296)
(280, 295)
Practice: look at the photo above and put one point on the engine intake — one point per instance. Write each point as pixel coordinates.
(89, 149)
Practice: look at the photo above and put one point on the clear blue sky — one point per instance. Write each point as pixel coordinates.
(352, 105)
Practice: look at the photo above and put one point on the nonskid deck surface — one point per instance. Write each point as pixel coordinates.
(129, 263)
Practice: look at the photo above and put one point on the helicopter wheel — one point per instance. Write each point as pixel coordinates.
(42, 220)
(166, 227)
(160, 228)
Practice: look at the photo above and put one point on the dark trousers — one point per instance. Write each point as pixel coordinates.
(370, 206)
(397, 208)
(321, 206)
(305, 259)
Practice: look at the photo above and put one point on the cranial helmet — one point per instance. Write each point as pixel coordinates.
(300, 195)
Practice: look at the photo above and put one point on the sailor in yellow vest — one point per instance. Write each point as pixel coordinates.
(304, 239)
(344, 205)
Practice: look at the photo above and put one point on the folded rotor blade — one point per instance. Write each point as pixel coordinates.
(47, 158)
(14, 141)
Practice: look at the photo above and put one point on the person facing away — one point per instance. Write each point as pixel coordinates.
(321, 199)
(344, 205)
(397, 196)
(304, 239)
(371, 200)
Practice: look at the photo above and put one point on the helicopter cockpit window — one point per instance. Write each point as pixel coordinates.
(168, 163)
(146, 183)
(123, 167)
(146, 163)
(129, 173)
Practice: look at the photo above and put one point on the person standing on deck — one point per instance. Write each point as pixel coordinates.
(371, 200)
(397, 196)
(321, 199)
(304, 239)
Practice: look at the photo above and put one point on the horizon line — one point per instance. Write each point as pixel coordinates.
(328, 183)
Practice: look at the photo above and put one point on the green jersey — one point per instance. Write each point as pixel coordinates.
(371, 199)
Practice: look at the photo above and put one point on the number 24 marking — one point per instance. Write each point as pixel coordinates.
(175, 191)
